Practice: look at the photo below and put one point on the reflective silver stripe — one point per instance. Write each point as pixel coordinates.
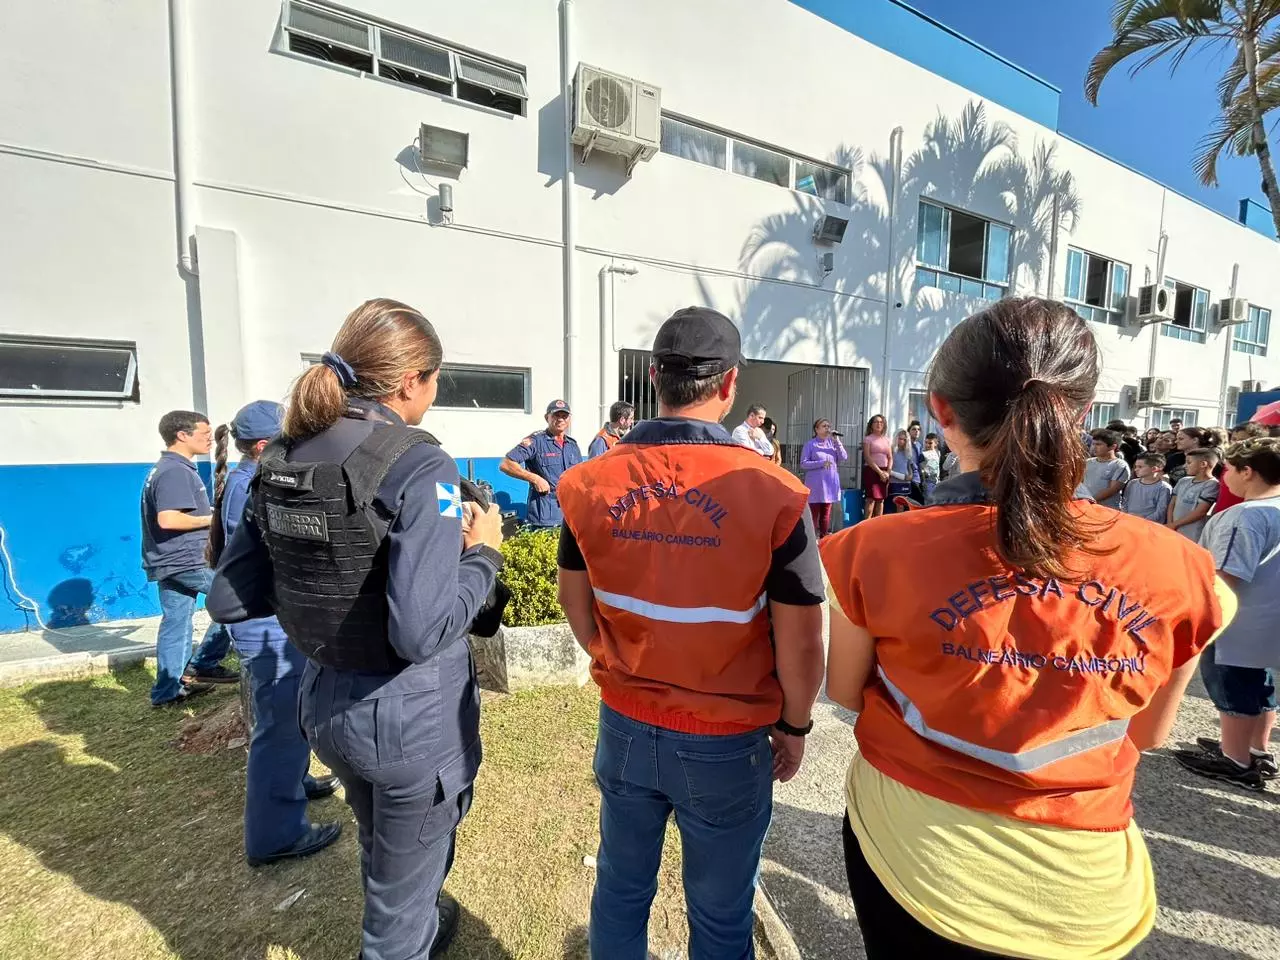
(658, 611)
(1073, 743)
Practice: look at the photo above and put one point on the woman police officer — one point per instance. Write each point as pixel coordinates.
(357, 539)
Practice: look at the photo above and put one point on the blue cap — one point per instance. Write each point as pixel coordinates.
(557, 406)
(260, 420)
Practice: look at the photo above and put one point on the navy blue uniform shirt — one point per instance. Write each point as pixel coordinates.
(434, 587)
(173, 484)
(539, 453)
(252, 635)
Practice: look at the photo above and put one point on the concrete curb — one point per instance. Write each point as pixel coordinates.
(71, 666)
(775, 930)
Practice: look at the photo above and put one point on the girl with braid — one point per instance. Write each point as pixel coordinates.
(278, 785)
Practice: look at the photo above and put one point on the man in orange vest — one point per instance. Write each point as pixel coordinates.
(622, 417)
(689, 572)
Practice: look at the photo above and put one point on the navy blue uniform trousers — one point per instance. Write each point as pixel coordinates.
(275, 800)
(407, 766)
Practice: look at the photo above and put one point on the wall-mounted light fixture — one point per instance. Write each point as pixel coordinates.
(448, 148)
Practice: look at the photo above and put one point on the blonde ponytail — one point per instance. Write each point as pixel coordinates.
(379, 342)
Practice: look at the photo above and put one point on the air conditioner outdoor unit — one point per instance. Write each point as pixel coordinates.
(1154, 391)
(616, 114)
(1251, 386)
(1155, 304)
(1232, 310)
(1233, 398)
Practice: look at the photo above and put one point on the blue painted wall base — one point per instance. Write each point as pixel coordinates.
(73, 532)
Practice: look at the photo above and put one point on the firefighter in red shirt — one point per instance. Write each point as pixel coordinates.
(689, 571)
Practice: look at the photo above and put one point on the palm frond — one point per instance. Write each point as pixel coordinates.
(1152, 41)
(1233, 130)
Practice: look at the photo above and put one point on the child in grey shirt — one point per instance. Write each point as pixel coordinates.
(1194, 495)
(1105, 474)
(1239, 667)
(1147, 495)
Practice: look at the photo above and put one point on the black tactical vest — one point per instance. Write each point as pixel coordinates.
(328, 544)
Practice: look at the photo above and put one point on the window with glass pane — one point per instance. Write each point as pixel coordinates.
(1100, 414)
(688, 142)
(829, 183)
(40, 367)
(1251, 336)
(1074, 289)
(483, 388)
(969, 248)
(1119, 287)
(997, 265)
(761, 164)
(1190, 312)
(1096, 283)
(1162, 417)
(931, 235)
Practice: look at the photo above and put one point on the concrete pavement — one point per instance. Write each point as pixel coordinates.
(1216, 851)
(80, 651)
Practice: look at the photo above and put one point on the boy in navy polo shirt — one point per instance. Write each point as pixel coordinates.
(175, 528)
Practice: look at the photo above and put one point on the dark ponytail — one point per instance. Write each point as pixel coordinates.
(217, 534)
(1019, 377)
(248, 449)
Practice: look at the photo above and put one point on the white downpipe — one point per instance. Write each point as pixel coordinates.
(891, 271)
(183, 135)
(570, 200)
(606, 330)
(1053, 246)
(1228, 334)
(1162, 249)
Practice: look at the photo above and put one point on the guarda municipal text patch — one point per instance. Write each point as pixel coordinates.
(299, 524)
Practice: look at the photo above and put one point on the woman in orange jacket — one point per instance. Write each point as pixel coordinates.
(1003, 702)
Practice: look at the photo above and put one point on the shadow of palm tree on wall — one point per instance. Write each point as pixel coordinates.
(968, 162)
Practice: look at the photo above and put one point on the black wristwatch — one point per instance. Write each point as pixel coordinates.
(791, 731)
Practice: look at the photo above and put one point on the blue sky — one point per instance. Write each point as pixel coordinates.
(1151, 122)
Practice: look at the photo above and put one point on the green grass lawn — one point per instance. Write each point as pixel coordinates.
(115, 845)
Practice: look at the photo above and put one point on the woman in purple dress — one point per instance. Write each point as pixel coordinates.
(820, 462)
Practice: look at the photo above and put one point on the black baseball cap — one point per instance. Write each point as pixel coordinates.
(699, 342)
(557, 406)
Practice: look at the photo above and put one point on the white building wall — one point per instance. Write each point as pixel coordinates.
(308, 200)
(310, 167)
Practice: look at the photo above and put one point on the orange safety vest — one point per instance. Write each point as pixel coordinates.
(678, 526)
(1009, 693)
(609, 438)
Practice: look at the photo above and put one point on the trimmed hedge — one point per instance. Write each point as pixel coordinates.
(530, 575)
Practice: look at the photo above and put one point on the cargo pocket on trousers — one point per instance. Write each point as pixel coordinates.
(453, 795)
(727, 789)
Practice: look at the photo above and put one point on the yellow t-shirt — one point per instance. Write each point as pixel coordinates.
(1002, 885)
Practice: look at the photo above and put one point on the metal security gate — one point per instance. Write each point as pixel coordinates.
(633, 383)
(840, 395)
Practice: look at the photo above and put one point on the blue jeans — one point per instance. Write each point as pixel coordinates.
(721, 791)
(173, 642)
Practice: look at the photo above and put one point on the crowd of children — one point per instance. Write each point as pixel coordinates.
(1224, 495)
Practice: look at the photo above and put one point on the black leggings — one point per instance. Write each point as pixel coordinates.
(888, 931)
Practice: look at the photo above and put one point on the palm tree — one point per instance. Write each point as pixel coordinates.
(1250, 29)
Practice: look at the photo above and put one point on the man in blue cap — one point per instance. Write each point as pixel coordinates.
(175, 530)
(277, 784)
(539, 460)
